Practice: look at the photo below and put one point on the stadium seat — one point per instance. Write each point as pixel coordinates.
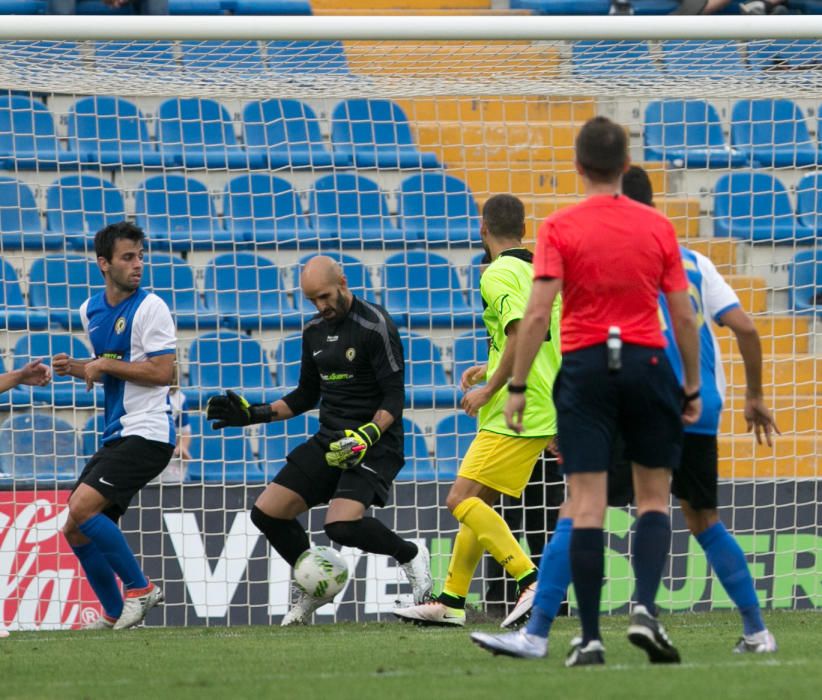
(222, 360)
(62, 391)
(37, 447)
(111, 132)
(14, 314)
(93, 430)
(196, 7)
(171, 278)
(422, 290)
(755, 207)
(77, 206)
(59, 284)
(118, 55)
(592, 7)
(687, 134)
(350, 210)
(453, 436)
(269, 7)
(805, 282)
(27, 137)
(358, 278)
(198, 133)
(264, 210)
(425, 381)
(22, 7)
(470, 349)
(279, 438)
(246, 291)
(20, 226)
(782, 54)
(772, 133)
(286, 134)
(177, 214)
(376, 134)
(809, 202)
(606, 59)
(288, 359)
(221, 456)
(242, 58)
(99, 7)
(418, 463)
(438, 210)
(307, 57)
(702, 58)
(475, 270)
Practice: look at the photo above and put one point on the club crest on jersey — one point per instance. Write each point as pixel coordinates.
(350, 354)
(120, 325)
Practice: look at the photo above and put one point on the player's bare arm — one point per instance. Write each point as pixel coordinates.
(154, 371)
(473, 376)
(64, 365)
(686, 333)
(35, 373)
(473, 401)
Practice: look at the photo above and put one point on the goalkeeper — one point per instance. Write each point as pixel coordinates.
(352, 363)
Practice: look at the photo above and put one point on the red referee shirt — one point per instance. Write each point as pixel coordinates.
(614, 256)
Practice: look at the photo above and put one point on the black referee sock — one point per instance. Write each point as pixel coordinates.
(587, 570)
(286, 536)
(370, 535)
(652, 542)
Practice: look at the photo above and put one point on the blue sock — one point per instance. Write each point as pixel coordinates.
(731, 568)
(652, 542)
(101, 578)
(113, 546)
(587, 555)
(554, 577)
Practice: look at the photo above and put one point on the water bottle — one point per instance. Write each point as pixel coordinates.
(614, 349)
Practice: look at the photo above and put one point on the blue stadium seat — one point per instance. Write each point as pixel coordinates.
(359, 281)
(45, 53)
(177, 214)
(277, 439)
(269, 7)
(22, 7)
(606, 59)
(59, 284)
(20, 226)
(171, 278)
(222, 360)
(242, 58)
(438, 210)
(418, 463)
(221, 456)
(264, 210)
(14, 314)
(425, 380)
(687, 134)
(247, 292)
(772, 133)
(127, 55)
(77, 206)
(755, 207)
(470, 349)
(286, 134)
(453, 435)
(782, 54)
(37, 447)
(98, 7)
(27, 137)
(93, 430)
(805, 282)
(422, 290)
(111, 132)
(702, 58)
(475, 270)
(198, 133)
(809, 202)
(62, 391)
(287, 360)
(592, 7)
(307, 57)
(376, 134)
(351, 211)
(196, 7)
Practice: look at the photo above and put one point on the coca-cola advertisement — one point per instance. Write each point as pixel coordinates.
(41, 583)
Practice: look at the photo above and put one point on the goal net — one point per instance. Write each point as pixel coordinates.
(242, 149)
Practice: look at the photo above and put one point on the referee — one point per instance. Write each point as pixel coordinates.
(352, 363)
(611, 257)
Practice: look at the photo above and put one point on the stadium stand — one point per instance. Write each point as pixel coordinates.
(14, 314)
(809, 202)
(171, 278)
(425, 380)
(695, 58)
(438, 210)
(296, 57)
(357, 277)
(277, 439)
(470, 348)
(224, 456)
(454, 434)
(772, 133)
(91, 434)
(37, 447)
(418, 463)
(59, 284)
(28, 140)
(242, 57)
(287, 359)
(151, 55)
(608, 58)
(20, 227)
(805, 282)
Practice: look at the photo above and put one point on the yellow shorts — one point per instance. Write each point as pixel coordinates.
(502, 462)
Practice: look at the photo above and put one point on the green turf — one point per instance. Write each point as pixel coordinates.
(393, 661)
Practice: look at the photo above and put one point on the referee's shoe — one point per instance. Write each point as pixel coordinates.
(646, 632)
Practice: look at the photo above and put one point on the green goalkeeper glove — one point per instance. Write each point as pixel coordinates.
(349, 449)
(231, 409)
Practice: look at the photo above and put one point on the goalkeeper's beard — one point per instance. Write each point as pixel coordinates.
(338, 310)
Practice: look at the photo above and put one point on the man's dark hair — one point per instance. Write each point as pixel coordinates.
(106, 238)
(602, 149)
(637, 185)
(504, 216)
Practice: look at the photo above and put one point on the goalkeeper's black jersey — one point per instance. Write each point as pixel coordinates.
(346, 364)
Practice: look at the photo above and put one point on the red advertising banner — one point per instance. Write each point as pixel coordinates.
(42, 586)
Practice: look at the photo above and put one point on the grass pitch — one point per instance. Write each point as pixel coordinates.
(394, 661)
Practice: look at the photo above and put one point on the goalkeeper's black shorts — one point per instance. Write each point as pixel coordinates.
(307, 473)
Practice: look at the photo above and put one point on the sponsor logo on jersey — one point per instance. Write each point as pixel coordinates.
(350, 354)
(120, 325)
(336, 376)
(332, 339)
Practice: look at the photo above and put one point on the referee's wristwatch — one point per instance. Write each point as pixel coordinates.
(517, 388)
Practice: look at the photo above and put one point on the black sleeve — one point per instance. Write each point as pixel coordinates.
(393, 394)
(307, 393)
(385, 349)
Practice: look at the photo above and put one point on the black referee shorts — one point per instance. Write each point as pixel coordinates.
(307, 473)
(696, 479)
(641, 401)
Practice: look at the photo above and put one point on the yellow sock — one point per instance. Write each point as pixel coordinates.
(465, 557)
(494, 535)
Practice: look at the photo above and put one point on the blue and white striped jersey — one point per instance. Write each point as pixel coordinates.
(137, 328)
(712, 296)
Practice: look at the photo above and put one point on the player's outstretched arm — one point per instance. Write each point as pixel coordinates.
(157, 370)
(35, 373)
(65, 366)
(232, 410)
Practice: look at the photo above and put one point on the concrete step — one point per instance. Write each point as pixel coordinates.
(780, 335)
(505, 109)
(792, 456)
(722, 252)
(782, 375)
(752, 292)
(793, 414)
(410, 5)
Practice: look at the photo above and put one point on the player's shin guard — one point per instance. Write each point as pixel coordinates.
(370, 535)
(287, 537)
(652, 542)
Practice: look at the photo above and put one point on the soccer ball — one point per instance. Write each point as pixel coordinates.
(321, 572)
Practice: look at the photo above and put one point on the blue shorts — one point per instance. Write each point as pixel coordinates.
(641, 402)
